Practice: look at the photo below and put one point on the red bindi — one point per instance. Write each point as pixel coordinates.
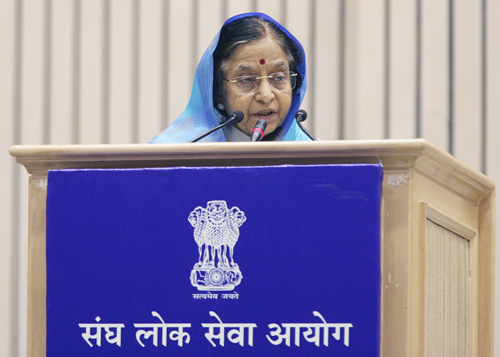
(262, 61)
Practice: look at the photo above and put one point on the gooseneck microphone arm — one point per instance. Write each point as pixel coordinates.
(235, 118)
(301, 116)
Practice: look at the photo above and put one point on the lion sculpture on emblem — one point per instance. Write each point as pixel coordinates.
(216, 231)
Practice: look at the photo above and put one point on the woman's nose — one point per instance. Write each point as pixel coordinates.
(265, 91)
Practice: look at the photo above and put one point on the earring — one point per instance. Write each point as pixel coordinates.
(221, 106)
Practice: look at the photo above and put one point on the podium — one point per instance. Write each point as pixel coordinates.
(437, 230)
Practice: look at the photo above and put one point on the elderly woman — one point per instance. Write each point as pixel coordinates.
(254, 65)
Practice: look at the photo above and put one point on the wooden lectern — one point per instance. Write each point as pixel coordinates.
(437, 291)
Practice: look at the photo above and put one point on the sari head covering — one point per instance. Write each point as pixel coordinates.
(200, 114)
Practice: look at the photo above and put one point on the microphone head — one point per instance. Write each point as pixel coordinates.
(257, 133)
(261, 124)
(238, 116)
(301, 115)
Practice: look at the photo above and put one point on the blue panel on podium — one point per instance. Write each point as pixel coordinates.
(227, 261)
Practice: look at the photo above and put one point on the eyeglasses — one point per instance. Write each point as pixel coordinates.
(249, 84)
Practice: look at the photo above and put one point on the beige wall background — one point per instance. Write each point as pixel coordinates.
(119, 71)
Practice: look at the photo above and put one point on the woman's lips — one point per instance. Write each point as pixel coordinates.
(265, 114)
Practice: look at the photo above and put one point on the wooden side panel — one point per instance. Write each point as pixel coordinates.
(460, 209)
(37, 267)
(396, 218)
(418, 271)
(447, 293)
(486, 271)
(464, 219)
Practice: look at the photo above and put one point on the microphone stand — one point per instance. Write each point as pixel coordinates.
(235, 118)
(301, 116)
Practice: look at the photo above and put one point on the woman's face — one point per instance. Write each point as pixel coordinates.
(261, 58)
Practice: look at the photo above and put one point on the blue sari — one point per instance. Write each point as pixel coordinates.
(200, 114)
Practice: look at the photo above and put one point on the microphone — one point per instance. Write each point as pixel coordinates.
(257, 133)
(301, 116)
(235, 118)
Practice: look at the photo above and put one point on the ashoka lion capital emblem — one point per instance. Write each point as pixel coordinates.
(216, 231)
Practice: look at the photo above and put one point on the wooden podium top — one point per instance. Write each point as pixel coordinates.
(415, 154)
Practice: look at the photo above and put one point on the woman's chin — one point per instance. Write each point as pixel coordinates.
(270, 129)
